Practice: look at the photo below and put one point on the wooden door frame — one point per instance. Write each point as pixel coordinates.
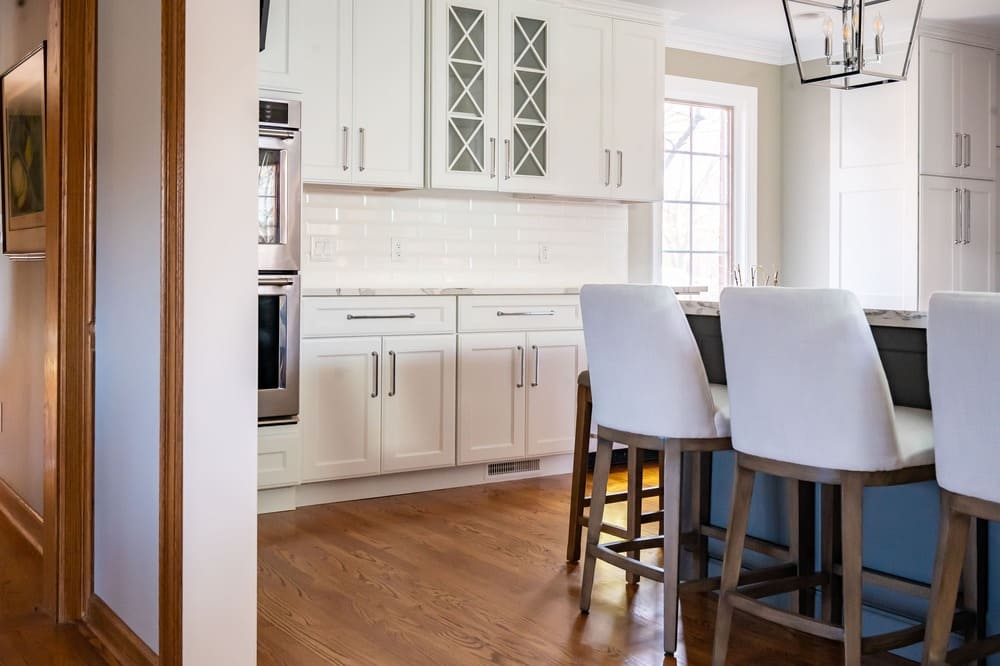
(71, 143)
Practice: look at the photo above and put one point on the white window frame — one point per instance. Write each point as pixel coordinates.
(743, 101)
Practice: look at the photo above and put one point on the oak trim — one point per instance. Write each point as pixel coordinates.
(115, 636)
(24, 519)
(172, 331)
(70, 133)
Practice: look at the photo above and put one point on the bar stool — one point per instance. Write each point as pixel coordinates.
(650, 392)
(809, 400)
(963, 354)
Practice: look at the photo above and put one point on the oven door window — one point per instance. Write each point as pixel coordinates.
(273, 345)
(269, 174)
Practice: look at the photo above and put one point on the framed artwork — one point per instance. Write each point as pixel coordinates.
(22, 156)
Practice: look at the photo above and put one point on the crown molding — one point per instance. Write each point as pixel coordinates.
(729, 46)
(625, 9)
(950, 32)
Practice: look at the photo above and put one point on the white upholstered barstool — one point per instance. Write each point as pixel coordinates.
(963, 357)
(650, 392)
(809, 400)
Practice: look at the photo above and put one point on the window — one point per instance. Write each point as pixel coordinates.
(697, 225)
(709, 213)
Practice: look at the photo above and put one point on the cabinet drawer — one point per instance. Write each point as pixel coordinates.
(519, 313)
(278, 456)
(376, 315)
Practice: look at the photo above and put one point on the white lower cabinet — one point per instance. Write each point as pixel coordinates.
(556, 359)
(340, 408)
(418, 402)
(517, 394)
(377, 405)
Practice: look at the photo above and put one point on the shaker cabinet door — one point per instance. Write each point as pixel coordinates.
(388, 131)
(940, 133)
(940, 234)
(637, 161)
(418, 403)
(491, 387)
(978, 119)
(555, 361)
(978, 254)
(341, 396)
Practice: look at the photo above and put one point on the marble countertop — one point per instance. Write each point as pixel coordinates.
(462, 291)
(894, 318)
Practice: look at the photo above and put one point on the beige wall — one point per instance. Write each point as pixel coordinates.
(767, 80)
(22, 306)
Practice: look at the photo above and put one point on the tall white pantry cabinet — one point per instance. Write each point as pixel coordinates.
(958, 138)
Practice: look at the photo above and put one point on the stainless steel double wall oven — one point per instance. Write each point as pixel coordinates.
(279, 210)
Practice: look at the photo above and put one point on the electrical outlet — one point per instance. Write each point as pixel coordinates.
(543, 253)
(396, 249)
(322, 248)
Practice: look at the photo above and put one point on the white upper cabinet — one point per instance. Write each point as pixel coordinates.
(529, 96)
(462, 132)
(584, 94)
(957, 98)
(388, 93)
(637, 161)
(358, 66)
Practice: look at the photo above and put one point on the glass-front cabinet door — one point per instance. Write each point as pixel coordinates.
(526, 45)
(464, 145)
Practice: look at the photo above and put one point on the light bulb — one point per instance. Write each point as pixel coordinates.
(847, 31)
(879, 25)
(828, 26)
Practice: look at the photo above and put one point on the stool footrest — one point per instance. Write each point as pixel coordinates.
(807, 625)
(975, 650)
(636, 567)
(785, 585)
(890, 581)
(746, 578)
(616, 498)
(641, 543)
(894, 640)
(769, 548)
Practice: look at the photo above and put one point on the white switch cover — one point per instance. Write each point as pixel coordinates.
(396, 249)
(543, 253)
(322, 248)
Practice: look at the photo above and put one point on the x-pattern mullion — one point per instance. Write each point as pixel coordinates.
(530, 152)
(530, 42)
(531, 95)
(466, 145)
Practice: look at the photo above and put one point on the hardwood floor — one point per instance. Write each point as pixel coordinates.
(27, 636)
(473, 575)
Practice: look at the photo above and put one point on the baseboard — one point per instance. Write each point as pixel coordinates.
(115, 636)
(25, 519)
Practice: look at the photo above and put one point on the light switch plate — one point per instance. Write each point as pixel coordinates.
(322, 248)
(396, 249)
(543, 253)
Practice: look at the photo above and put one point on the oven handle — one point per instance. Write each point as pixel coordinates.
(275, 282)
(277, 134)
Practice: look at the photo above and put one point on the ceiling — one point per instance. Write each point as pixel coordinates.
(761, 23)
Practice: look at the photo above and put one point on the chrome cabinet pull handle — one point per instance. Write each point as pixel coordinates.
(520, 384)
(958, 149)
(346, 131)
(535, 313)
(967, 150)
(607, 167)
(411, 315)
(538, 353)
(958, 216)
(493, 157)
(361, 141)
(506, 143)
(621, 167)
(375, 374)
(967, 237)
(392, 374)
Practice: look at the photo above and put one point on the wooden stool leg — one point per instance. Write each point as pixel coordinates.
(851, 498)
(802, 539)
(601, 470)
(953, 538)
(671, 543)
(975, 579)
(830, 555)
(634, 504)
(701, 508)
(578, 486)
(661, 475)
(732, 559)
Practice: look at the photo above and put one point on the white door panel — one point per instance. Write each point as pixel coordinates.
(555, 361)
(491, 388)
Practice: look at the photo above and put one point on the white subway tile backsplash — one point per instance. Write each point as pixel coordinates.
(457, 239)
